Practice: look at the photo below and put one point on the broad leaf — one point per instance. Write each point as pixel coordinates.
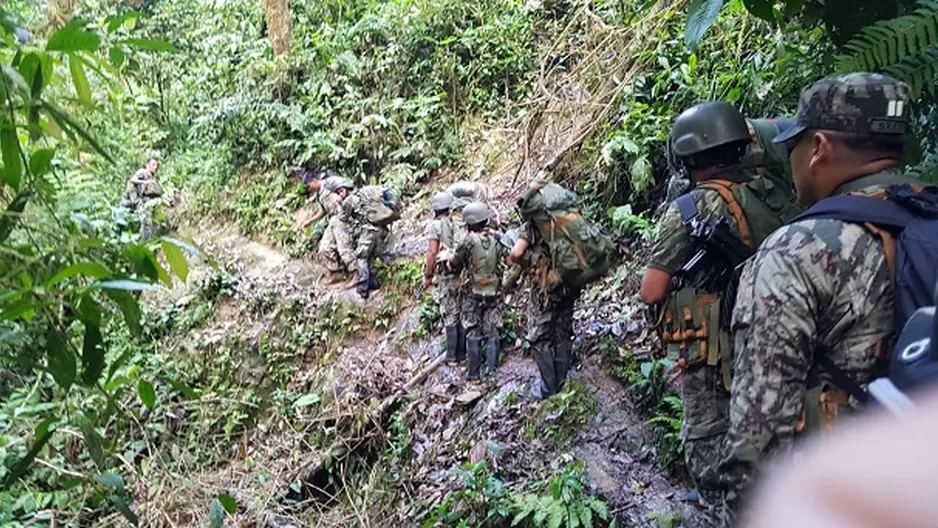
(126, 285)
(31, 70)
(79, 79)
(150, 45)
(63, 120)
(228, 502)
(129, 307)
(22, 465)
(117, 56)
(73, 38)
(700, 16)
(125, 510)
(60, 359)
(92, 355)
(13, 213)
(111, 481)
(186, 390)
(176, 259)
(84, 269)
(147, 394)
(40, 163)
(761, 8)
(216, 514)
(307, 400)
(12, 162)
(93, 442)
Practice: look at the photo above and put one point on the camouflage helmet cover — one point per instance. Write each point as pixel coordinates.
(441, 201)
(706, 126)
(476, 213)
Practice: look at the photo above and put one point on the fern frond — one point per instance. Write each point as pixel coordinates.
(905, 47)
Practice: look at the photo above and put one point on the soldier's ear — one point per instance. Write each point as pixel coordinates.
(822, 148)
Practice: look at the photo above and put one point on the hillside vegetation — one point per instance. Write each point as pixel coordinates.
(207, 376)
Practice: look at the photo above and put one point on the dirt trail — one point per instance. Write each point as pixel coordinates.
(613, 444)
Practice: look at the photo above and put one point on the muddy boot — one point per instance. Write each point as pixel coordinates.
(544, 359)
(452, 344)
(562, 352)
(492, 348)
(473, 346)
(373, 283)
(460, 344)
(361, 279)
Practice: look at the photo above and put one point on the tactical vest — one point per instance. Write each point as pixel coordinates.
(448, 243)
(695, 323)
(485, 273)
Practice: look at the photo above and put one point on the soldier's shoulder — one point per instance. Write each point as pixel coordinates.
(817, 236)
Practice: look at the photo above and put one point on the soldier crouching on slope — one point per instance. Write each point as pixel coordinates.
(336, 248)
(441, 247)
(480, 253)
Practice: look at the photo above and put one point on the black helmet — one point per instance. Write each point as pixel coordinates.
(706, 126)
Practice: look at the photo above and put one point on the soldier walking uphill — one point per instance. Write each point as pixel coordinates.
(441, 238)
(819, 304)
(700, 240)
(142, 195)
(322, 188)
(336, 247)
(368, 212)
(480, 254)
(568, 254)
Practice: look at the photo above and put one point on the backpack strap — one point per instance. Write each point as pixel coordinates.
(687, 207)
(725, 189)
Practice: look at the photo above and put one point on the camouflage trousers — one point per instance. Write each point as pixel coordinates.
(706, 419)
(550, 334)
(145, 212)
(370, 241)
(448, 298)
(481, 316)
(336, 247)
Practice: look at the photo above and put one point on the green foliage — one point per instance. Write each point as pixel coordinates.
(558, 418)
(430, 316)
(565, 504)
(626, 223)
(905, 47)
(482, 501)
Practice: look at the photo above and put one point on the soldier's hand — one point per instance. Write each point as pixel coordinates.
(878, 471)
(427, 284)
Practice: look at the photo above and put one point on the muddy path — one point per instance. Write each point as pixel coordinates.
(450, 423)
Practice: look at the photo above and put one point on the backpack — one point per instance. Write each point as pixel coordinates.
(580, 252)
(380, 206)
(767, 158)
(905, 219)
(486, 264)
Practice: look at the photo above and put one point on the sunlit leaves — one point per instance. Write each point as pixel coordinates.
(79, 79)
(176, 259)
(147, 393)
(700, 16)
(150, 45)
(73, 37)
(40, 163)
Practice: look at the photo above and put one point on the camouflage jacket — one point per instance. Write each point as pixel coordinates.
(813, 281)
(482, 256)
(672, 246)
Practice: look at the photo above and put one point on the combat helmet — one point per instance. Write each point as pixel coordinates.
(441, 201)
(708, 125)
(476, 213)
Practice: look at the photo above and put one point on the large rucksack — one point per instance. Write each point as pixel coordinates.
(905, 219)
(580, 252)
(381, 207)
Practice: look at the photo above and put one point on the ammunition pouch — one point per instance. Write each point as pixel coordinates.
(692, 333)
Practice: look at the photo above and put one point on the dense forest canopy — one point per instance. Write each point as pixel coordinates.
(230, 94)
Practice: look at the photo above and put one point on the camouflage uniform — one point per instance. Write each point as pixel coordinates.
(336, 247)
(549, 318)
(143, 199)
(447, 283)
(464, 193)
(482, 256)
(481, 304)
(369, 239)
(706, 400)
(814, 284)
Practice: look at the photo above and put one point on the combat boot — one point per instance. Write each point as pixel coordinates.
(373, 283)
(544, 359)
(492, 349)
(452, 345)
(460, 344)
(473, 346)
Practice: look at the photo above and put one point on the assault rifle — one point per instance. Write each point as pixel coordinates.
(717, 245)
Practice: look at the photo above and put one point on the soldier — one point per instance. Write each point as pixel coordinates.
(819, 290)
(142, 195)
(336, 248)
(466, 192)
(441, 237)
(369, 238)
(480, 253)
(709, 140)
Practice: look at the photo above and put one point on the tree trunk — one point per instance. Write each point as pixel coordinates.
(279, 25)
(60, 13)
